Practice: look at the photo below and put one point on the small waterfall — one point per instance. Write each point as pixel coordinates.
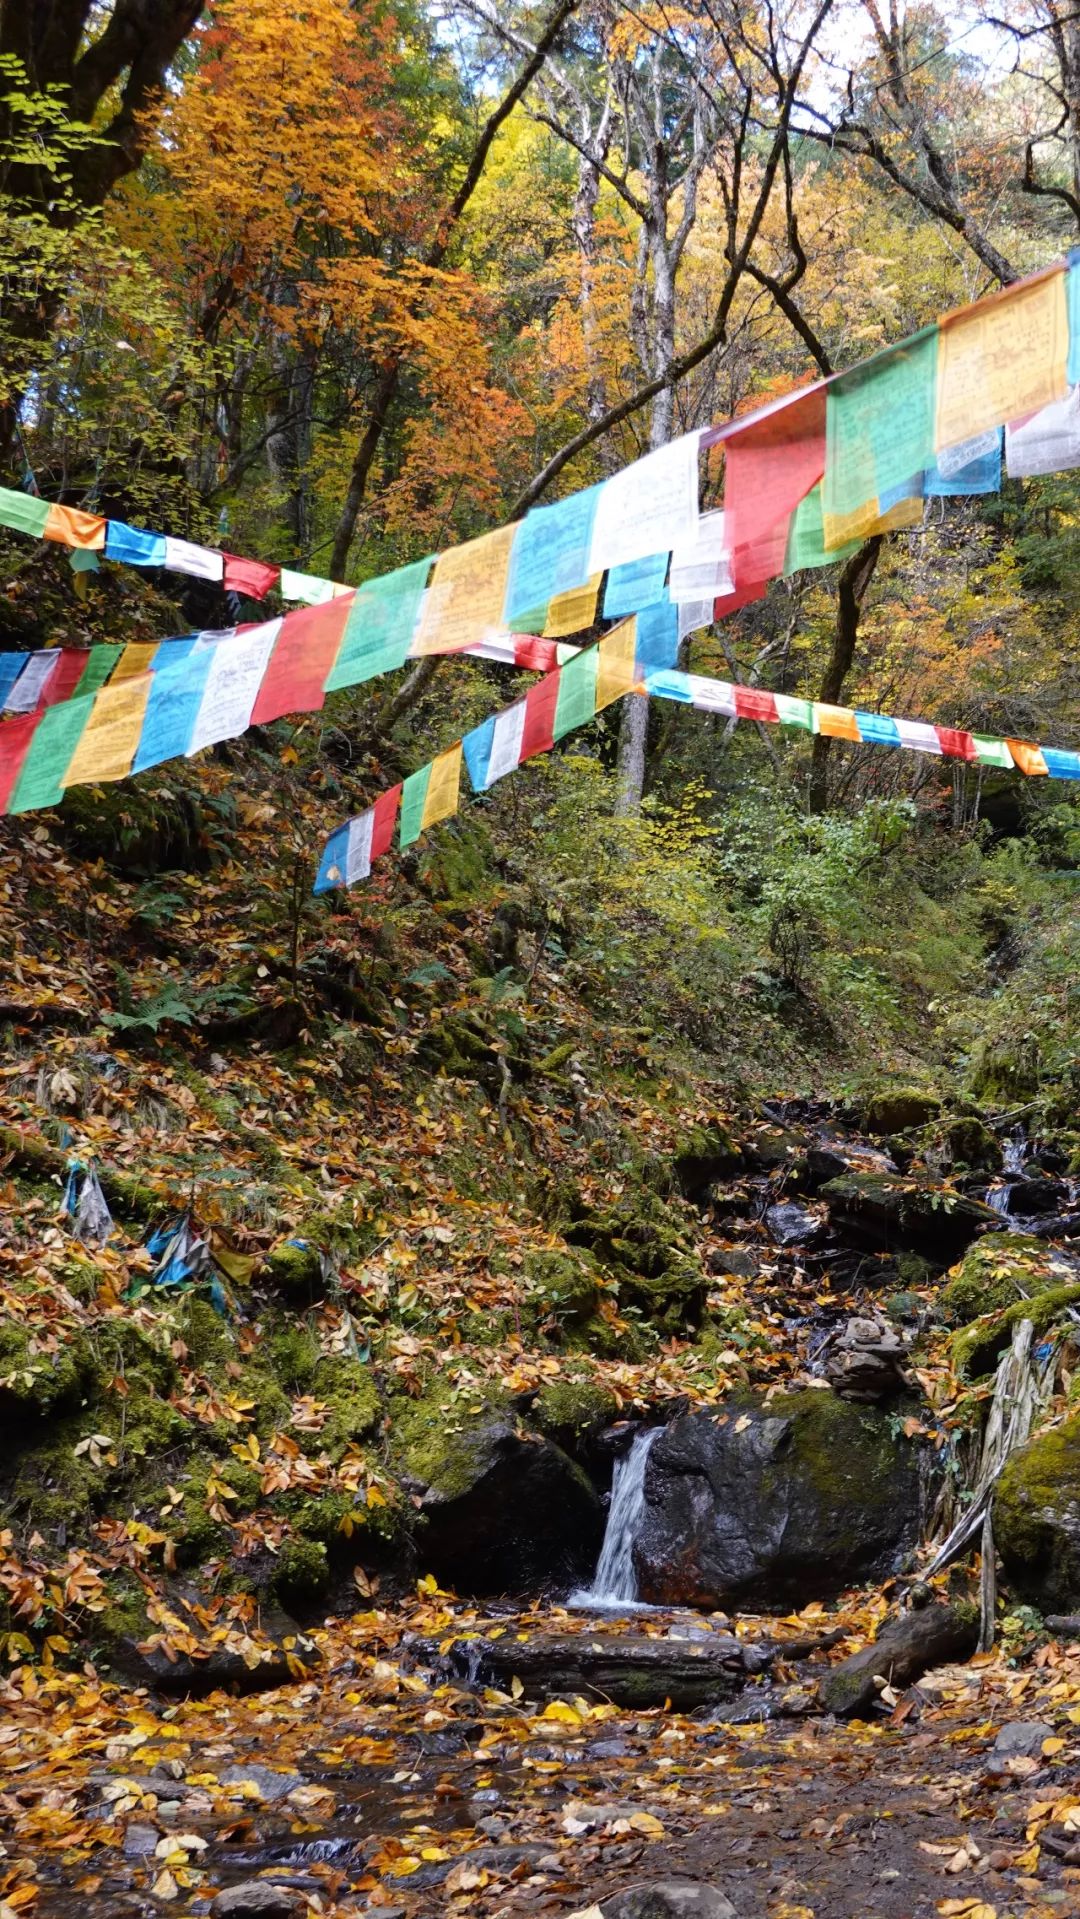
(998, 1198)
(614, 1583)
(1015, 1151)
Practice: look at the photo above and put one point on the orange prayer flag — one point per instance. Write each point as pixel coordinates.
(836, 722)
(72, 527)
(615, 674)
(1027, 756)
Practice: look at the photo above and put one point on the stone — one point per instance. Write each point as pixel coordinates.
(629, 1669)
(140, 1841)
(503, 1507)
(791, 1225)
(1023, 1738)
(776, 1504)
(867, 1361)
(898, 1108)
(1037, 1519)
(1027, 1196)
(888, 1210)
(904, 1649)
(706, 1154)
(269, 1785)
(255, 1899)
(669, 1899)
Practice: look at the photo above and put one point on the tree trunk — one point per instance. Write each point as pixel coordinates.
(855, 578)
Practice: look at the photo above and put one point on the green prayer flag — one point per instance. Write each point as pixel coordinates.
(378, 632)
(23, 512)
(991, 752)
(879, 425)
(413, 795)
(576, 702)
(99, 664)
(806, 537)
(792, 712)
(59, 730)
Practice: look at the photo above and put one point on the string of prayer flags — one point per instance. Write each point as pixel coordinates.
(348, 853)
(1002, 358)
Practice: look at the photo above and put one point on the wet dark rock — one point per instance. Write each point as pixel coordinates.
(140, 1841)
(608, 1749)
(1022, 1739)
(904, 1649)
(741, 1262)
(889, 1210)
(255, 1899)
(669, 1899)
(775, 1504)
(866, 1362)
(775, 1149)
(504, 1509)
(269, 1785)
(707, 1154)
(1033, 1196)
(792, 1225)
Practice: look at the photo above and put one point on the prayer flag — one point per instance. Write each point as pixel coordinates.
(769, 466)
(44, 768)
(573, 611)
(380, 622)
(465, 600)
(1002, 358)
(71, 527)
(11, 665)
(111, 736)
(200, 561)
(506, 739)
(334, 860)
(100, 662)
(877, 729)
(253, 578)
(538, 727)
(792, 712)
(66, 676)
(442, 790)
(476, 747)
(176, 693)
(638, 584)
(955, 744)
(136, 658)
(806, 538)
(1048, 442)
(1072, 298)
(657, 629)
(835, 722)
(649, 507)
(23, 512)
(917, 737)
(701, 567)
(972, 466)
(306, 586)
(304, 652)
(709, 696)
(549, 555)
(1027, 756)
(989, 752)
(1063, 766)
(33, 680)
(133, 546)
(15, 738)
(879, 431)
(576, 702)
(754, 703)
(232, 686)
(616, 664)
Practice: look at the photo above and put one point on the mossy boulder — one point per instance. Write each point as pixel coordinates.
(503, 1508)
(295, 1268)
(645, 1247)
(348, 1389)
(977, 1348)
(302, 1575)
(896, 1109)
(1037, 1519)
(39, 1379)
(892, 1210)
(968, 1141)
(570, 1410)
(774, 1505)
(994, 1273)
(562, 1286)
(707, 1153)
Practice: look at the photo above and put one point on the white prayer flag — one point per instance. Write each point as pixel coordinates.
(232, 686)
(649, 507)
(1048, 442)
(201, 561)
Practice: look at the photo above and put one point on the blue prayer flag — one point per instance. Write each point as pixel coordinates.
(550, 554)
(877, 729)
(132, 545)
(637, 584)
(171, 708)
(657, 645)
(476, 747)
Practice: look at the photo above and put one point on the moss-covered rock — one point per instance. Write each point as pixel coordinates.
(295, 1267)
(977, 1348)
(1037, 1519)
(895, 1109)
(568, 1410)
(707, 1153)
(562, 1286)
(994, 1273)
(302, 1575)
(968, 1141)
(39, 1378)
(777, 1503)
(645, 1247)
(347, 1388)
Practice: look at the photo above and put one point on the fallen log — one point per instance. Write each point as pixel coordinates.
(1066, 1623)
(626, 1669)
(904, 1649)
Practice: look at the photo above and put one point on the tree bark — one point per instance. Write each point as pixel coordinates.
(854, 581)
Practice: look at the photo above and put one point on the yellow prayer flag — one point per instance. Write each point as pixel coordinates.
(572, 612)
(464, 602)
(1002, 358)
(836, 722)
(135, 658)
(1027, 756)
(615, 674)
(839, 530)
(441, 798)
(107, 747)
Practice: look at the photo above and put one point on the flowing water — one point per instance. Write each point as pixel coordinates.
(614, 1581)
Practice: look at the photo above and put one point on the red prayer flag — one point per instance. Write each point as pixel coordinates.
(304, 652)
(64, 677)
(958, 745)
(538, 656)
(743, 596)
(769, 467)
(384, 819)
(251, 577)
(537, 733)
(754, 703)
(15, 737)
